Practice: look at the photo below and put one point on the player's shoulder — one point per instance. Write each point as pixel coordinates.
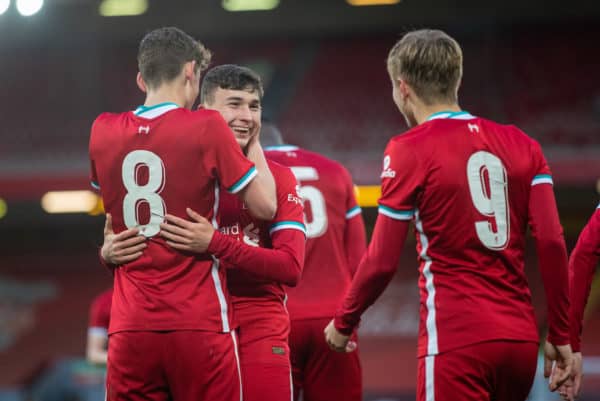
(320, 160)
(105, 296)
(110, 118)
(280, 172)
(412, 134)
(405, 141)
(102, 300)
(506, 129)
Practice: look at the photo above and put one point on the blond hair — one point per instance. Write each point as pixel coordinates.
(430, 62)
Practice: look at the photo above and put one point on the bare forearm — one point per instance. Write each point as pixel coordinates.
(263, 204)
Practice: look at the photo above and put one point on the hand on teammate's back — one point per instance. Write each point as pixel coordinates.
(558, 364)
(121, 248)
(184, 235)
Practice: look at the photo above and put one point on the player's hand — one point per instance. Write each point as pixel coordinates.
(558, 364)
(254, 141)
(569, 391)
(121, 248)
(338, 341)
(184, 235)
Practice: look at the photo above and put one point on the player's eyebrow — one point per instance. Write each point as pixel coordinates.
(253, 102)
(235, 98)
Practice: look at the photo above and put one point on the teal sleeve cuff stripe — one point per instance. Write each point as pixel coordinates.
(95, 185)
(396, 214)
(542, 179)
(242, 182)
(285, 225)
(355, 211)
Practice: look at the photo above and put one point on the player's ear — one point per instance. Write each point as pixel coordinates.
(140, 82)
(189, 70)
(403, 88)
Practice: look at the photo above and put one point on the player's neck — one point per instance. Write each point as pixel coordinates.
(165, 94)
(423, 112)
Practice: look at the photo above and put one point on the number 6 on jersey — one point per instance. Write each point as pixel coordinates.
(149, 193)
(490, 197)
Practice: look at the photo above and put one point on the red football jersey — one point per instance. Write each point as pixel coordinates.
(99, 318)
(335, 230)
(582, 266)
(160, 160)
(238, 223)
(466, 183)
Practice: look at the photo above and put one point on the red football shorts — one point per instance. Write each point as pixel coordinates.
(264, 351)
(174, 365)
(320, 373)
(494, 370)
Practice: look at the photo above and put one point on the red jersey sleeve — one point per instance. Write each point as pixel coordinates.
(551, 249)
(290, 213)
(99, 318)
(374, 273)
(93, 175)
(582, 266)
(233, 170)
(401, 180)
(283, 263)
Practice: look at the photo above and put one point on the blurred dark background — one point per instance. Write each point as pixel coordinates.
(530, 63)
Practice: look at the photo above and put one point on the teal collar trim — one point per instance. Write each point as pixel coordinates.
(155, 110)
(282, 148)
(459, 115)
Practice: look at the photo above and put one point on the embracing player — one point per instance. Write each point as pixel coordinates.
(170, 313)
(259, 256)
(471, 187)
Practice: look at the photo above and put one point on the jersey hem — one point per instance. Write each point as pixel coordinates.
(421, 353)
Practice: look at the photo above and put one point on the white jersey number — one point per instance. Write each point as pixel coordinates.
(308, 193)
(148, 193)
(490, 197)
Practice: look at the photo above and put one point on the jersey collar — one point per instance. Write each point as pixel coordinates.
(455, 115)
(155, 111)
(281, 148)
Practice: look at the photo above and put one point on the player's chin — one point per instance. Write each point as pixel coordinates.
(243, 140)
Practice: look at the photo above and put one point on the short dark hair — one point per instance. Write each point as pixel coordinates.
(164, 51)
(229, 76)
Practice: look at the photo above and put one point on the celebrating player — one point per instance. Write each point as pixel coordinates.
(582, 265)
(471, 186)
(336, 241)
(255, 276)
(170, 314)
